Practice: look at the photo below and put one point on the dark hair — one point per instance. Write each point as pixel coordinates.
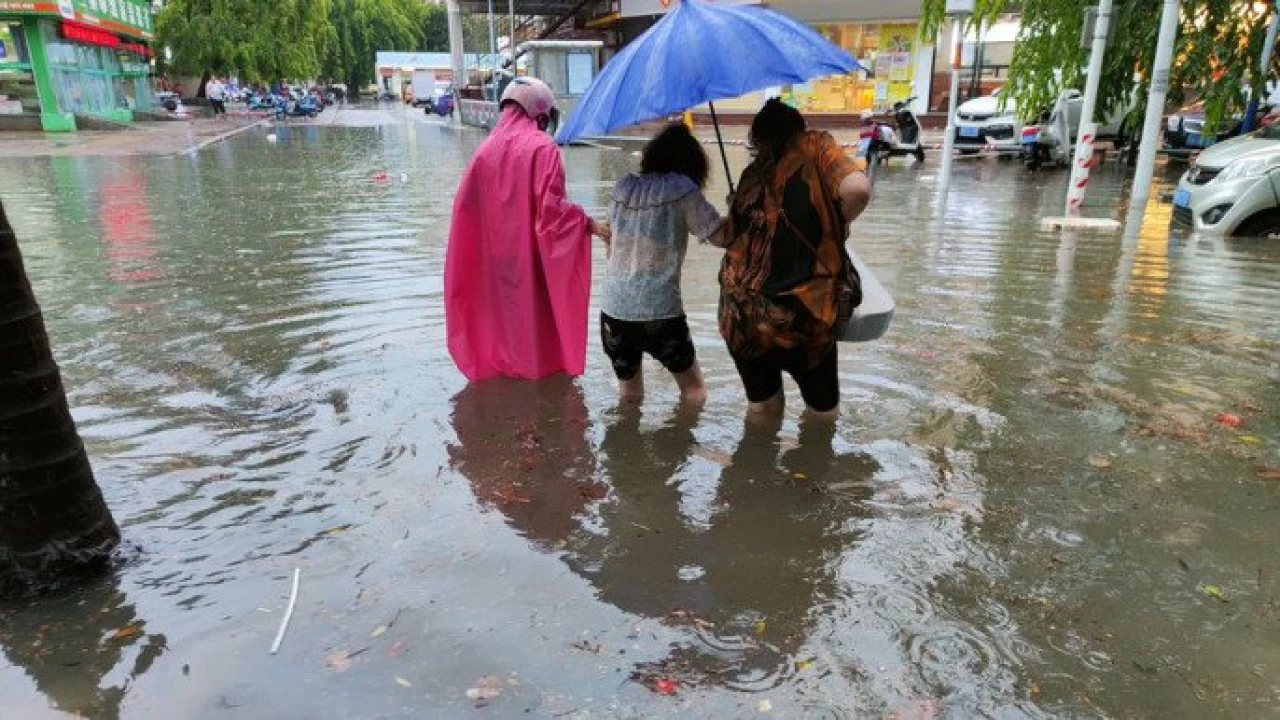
(775, 125)
(676, 150)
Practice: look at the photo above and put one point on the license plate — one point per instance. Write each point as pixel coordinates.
(1182, 198)
(970, 132)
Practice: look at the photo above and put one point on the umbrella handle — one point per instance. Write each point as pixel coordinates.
(720, 141)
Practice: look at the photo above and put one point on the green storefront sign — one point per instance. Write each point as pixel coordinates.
(84, 57)
(128, 17)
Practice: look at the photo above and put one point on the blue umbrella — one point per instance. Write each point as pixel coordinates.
(697, 54)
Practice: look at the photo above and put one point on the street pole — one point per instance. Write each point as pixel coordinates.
(457, 52)
(1083, 161)
(975, 82)
(1155, 104)
(1268, 47)
(493, 56)
(949, 142)
(511, 44)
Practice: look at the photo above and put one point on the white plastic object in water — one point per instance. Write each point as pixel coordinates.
(871, 320)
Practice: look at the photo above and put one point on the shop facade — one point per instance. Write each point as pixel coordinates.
(75, 57)
(898, 61)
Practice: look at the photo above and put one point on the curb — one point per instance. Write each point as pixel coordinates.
(219, 138)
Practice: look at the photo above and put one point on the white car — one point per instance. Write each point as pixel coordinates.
(1233, 187)
(982, 122)
(1043, 144)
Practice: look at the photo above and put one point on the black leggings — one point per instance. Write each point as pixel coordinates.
(819, 386)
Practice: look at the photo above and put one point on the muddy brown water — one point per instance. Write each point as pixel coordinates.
(1027, 509)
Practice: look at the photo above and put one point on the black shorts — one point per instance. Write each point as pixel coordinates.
(819, 386)
(219, 107)
(626, 342)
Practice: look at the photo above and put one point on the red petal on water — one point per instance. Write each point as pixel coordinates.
(666, 686)
(1230, 419)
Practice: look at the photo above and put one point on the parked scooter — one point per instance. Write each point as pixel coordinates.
(880, 141)
(261, 102)
(1047, 142)
(442, 106)
(306, 106)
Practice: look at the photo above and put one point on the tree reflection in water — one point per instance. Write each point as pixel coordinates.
(83, 648)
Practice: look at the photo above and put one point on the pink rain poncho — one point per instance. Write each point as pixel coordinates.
(517, 277)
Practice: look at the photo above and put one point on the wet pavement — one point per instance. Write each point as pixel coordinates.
(1030, 507)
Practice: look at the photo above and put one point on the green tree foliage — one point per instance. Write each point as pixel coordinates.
(256, 40)
(1218, 52)
(435, 29)
(475, 30)
(363, 27)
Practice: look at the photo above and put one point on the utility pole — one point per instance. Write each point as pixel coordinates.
(1083, 161)
(493, 56)
(1268, 48)
(960, 10)
(1155, 105)
(511, 11)
(457, 51)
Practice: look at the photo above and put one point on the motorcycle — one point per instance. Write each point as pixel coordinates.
(261, 102)
(880, 141)
(1046, 142)
(442, 106)
(306, 106)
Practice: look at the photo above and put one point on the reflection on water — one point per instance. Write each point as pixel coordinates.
(1030, 507)
(81, 650)
(734, 548)
(523, 447)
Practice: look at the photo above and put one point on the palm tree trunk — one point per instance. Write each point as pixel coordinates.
(53, 521)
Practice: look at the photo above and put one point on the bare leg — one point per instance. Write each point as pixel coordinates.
(692, 389)
(773, 407)
(632, 390)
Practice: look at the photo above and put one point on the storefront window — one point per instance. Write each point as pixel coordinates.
(888, 51)
(17, 83)
(136, 83)
(90, 78)
(13, 45)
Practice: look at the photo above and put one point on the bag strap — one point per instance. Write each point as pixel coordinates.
(851, 277)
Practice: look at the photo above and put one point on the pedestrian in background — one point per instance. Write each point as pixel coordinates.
(652, 215)
(518, 268)
(216, 92)
(785, 269)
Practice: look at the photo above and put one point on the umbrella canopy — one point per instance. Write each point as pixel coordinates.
(697, 54)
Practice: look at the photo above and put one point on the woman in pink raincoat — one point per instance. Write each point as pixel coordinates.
(517, 275)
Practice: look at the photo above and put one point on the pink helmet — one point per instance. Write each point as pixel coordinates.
(531, 94)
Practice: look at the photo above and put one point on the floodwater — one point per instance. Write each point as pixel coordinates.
(1028, 509)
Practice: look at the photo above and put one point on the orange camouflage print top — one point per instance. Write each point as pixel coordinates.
(783, 267)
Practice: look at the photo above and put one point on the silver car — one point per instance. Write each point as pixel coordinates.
(1233, 188)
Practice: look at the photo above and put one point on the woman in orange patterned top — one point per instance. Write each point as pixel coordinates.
(785, 264)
